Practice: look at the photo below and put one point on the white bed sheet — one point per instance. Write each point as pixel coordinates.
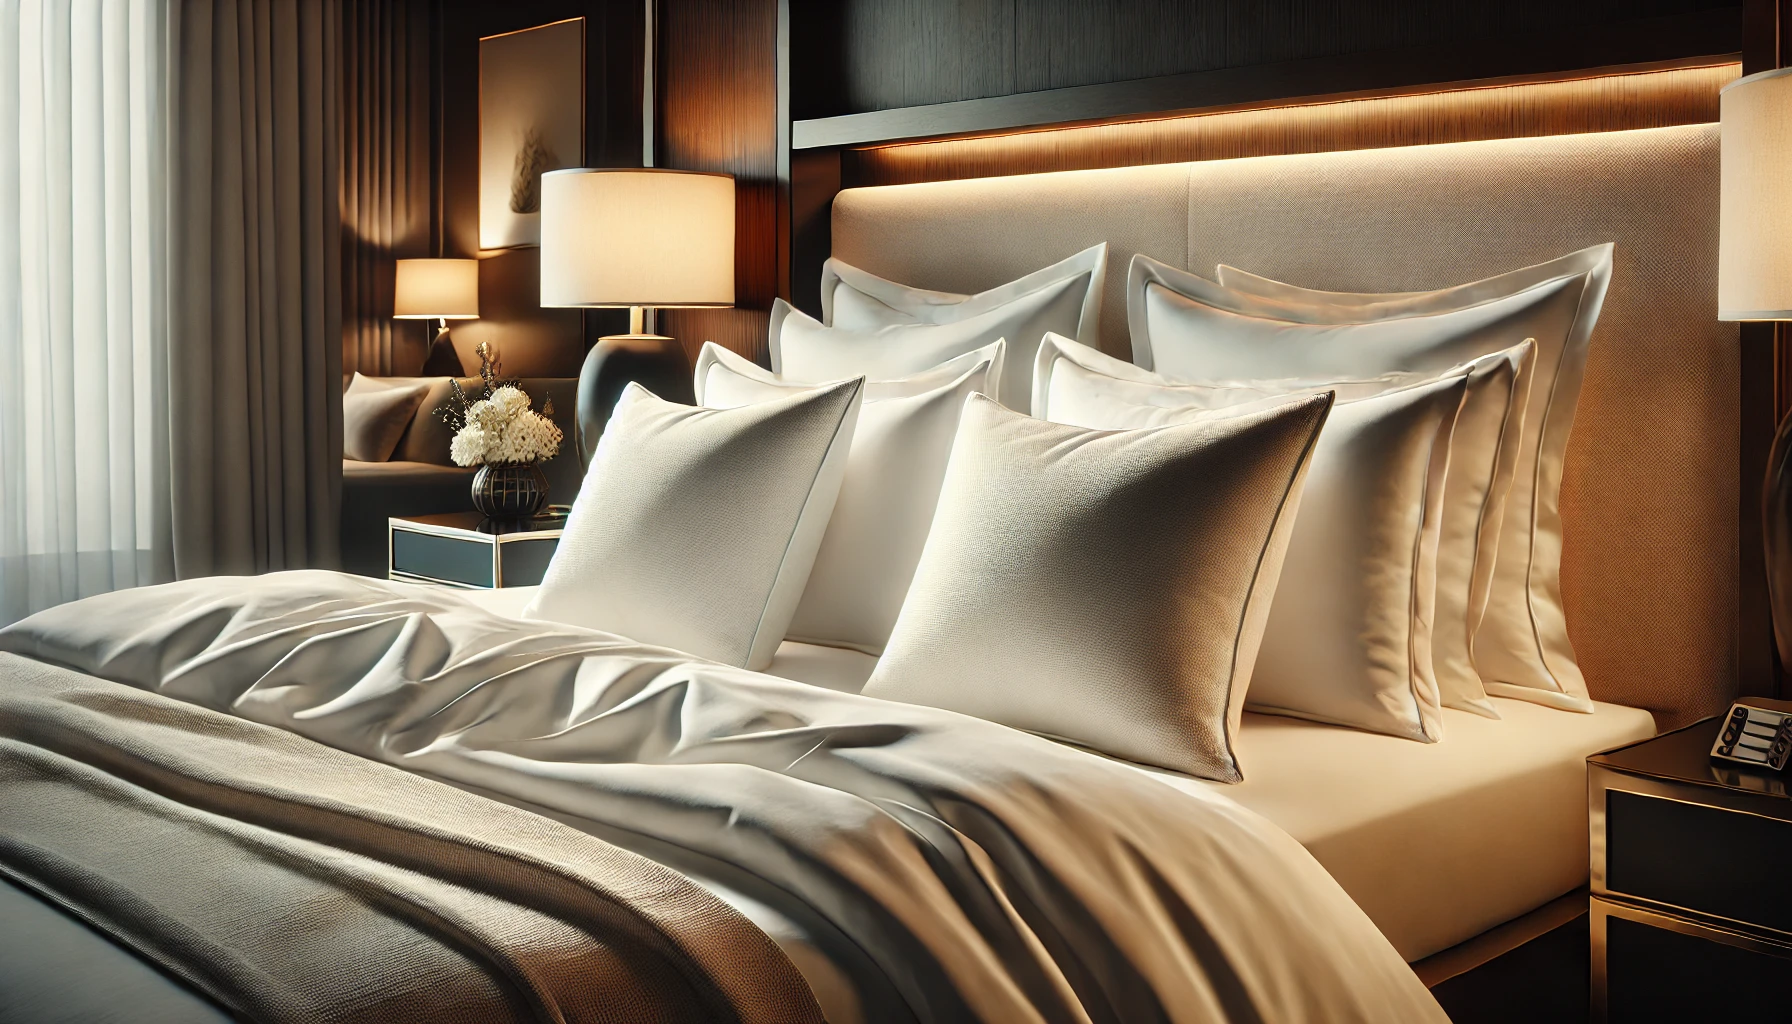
(1437, 842)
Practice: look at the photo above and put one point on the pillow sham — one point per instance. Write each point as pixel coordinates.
(885, 330)
(1348, 640)
(696, 528)
(375, 414)
(1077, 384)
(1183, 325)
(1108, 588)
(894, 470)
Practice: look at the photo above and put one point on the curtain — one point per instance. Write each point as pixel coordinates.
(256, 355)
(387, 200)
(84, 444)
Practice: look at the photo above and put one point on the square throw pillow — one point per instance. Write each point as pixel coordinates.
(886, 330)
(1186, 326)
(696, 528)
(893, 474)
(375, 413)
(1108, 588)
(1349, 638)
(1077, 384)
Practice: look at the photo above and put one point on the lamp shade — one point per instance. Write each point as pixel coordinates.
(428, 289)
(1754, 263)
(636, 237)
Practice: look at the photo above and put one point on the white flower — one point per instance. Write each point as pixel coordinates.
(503, 428)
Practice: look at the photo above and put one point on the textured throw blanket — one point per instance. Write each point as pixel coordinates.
(953, 869)
(291, 882)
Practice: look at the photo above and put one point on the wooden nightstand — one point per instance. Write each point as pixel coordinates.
(465, 549)
(1691, 906)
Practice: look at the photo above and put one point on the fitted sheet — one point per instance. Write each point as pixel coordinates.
(1436, 842)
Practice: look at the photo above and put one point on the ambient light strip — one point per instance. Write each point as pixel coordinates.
(1613, 101)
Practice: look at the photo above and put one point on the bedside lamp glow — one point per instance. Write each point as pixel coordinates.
(440, 290)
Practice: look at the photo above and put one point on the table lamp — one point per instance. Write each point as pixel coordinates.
(440, 290)
(1754, 282)
(640, 238)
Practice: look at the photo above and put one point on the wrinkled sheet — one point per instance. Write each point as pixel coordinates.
(980, 872)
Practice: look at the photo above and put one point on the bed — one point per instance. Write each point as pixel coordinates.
(1354, 853)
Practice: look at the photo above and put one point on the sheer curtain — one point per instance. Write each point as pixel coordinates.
(84, 439)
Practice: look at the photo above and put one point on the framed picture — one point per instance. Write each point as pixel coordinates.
(531, 120)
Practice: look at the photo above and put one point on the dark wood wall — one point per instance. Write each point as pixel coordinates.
(853, 56)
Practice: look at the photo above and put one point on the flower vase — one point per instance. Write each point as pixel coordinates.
(510, 490)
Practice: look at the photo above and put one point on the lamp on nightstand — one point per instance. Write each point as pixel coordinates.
(640, 238)
(440, 290)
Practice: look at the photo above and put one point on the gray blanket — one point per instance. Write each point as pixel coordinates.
(292, 882)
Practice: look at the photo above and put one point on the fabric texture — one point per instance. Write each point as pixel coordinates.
(857, 300)
(887, 497)
(1186, 325)
(1649, 480)
(696, 529)
(957, 869)
(84, 235)
(375, 414)
(255, 381)
(1091, 388)
(1104, 587)
(254, 864)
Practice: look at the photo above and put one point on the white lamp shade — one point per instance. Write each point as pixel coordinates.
(428, 289)
(636, 237)
(1754, 263)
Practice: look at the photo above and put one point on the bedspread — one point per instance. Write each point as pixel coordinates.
(988, 874)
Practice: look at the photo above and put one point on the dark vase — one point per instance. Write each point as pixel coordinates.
(510, 490)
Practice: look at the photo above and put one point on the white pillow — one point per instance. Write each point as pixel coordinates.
(1184, 325)
(864, 317)
(1104, 587)
(893, 474)
(1349, 637)
(696, 528)
(1090, 387)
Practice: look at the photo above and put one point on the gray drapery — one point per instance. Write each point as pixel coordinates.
(255, 351)
(386, 196)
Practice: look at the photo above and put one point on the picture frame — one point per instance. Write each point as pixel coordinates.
(531, 120)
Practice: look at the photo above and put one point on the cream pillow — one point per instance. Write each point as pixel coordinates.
(892, 483)
(1349, 638)
(1184, 325)
(696, 528)
(375, 414)
(886, 330)
(1093, 387)
(1104, 587)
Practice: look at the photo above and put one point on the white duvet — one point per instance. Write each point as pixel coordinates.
(953, 869)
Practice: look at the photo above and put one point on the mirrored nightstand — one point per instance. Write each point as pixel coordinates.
(465, 549)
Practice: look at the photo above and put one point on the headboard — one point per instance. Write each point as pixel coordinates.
(1649, 496)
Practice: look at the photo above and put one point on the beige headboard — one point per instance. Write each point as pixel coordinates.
(1649, 498)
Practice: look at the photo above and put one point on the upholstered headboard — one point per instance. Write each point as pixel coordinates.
(1649, 498)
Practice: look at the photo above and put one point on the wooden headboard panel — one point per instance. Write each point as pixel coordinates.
(1649, 500)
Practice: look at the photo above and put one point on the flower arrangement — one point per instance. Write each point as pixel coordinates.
(498, 428)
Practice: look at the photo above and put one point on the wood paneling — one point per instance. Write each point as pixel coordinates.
(1645, 99)
(717, 92)
(904, 53)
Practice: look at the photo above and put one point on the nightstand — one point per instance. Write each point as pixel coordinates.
(1691, 906)
(465, 549)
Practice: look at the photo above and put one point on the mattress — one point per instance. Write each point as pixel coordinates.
(1437, 842)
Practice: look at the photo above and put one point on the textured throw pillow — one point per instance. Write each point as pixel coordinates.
(696, 528)
(375, 413)
(893, 474)
(1349, 637)
(1074, 383)
(1104, 587)
(886, 330)
(1186, 326)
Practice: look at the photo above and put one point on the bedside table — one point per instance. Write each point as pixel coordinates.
(1691, 906)
(465, 549)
